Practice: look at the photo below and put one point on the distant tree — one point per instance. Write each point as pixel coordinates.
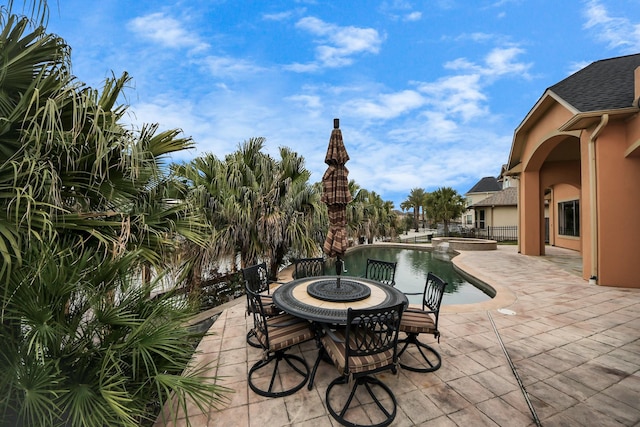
(416, 199)
(368, 215)
(260, 208)
(445, 204)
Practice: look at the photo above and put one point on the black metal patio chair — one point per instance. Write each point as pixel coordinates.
(367, 345)
(381, 271)
(308, 267)
(256, 278)
(423, 321)
(276, 335)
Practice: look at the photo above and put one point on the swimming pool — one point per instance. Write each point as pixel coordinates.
(411, 272)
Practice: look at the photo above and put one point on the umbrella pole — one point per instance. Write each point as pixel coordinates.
(338, 270)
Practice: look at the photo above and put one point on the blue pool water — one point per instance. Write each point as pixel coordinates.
(411, 272)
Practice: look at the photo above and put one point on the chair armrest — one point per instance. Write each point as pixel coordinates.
(274, 282)
(412, 293)
(326, 329)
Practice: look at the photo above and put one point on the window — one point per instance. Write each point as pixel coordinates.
(469, 220)
(480, 219)
(569, 218)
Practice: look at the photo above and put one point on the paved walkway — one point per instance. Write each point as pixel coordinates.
(549, 349)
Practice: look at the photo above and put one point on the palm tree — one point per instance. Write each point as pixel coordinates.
(379, 216)
(388, 221)
(287, 216)
(85, 206)
(259, 208)
(415, 201)
(445, 204)
(369, 216)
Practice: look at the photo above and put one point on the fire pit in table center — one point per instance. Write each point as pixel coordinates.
(346, 291)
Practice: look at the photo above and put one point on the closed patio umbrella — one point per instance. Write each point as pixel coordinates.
(336, 195)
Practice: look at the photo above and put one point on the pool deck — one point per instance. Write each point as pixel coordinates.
(550, 349)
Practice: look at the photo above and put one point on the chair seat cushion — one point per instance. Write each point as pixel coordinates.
(285, 331)
(337, 352)
(417, 322)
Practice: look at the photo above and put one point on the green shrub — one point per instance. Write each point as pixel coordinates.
(84, 345)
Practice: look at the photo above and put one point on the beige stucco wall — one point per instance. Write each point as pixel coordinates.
(618, 192)
(542, 131)
(610, 251)
(504, 216)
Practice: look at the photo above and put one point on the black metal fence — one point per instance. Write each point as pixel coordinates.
(424, 238)
(501, 234)
(212, 292)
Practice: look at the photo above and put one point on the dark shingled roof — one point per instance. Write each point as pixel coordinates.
(506, 197)
(486, 184)
(603, 85)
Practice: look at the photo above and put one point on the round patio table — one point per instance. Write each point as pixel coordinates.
(319, 300)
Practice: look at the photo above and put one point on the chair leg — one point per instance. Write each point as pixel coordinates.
(252, 340)
(321, 355)
(429, 354)
(370, 383)
(298, 365)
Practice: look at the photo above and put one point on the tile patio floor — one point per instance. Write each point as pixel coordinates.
(574, 347)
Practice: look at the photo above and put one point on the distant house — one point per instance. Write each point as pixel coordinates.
(484, 188)
(498, 210)
(579, 149)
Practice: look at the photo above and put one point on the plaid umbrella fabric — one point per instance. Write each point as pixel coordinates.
(335, 193)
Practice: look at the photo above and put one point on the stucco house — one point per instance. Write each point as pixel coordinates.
(579, 149)
(498, 210)
(485, 187)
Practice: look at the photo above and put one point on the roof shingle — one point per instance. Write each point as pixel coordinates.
(486, 185)
(506, 197)
(602, 85)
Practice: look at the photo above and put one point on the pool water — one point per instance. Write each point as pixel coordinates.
(411, 272)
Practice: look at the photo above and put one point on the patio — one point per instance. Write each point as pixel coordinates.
(574, 348)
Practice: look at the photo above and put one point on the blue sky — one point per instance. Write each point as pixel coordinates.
(428, 92)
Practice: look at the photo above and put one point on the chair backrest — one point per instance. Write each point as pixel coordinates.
(308, 267)
(256, 277)
(381, 271)
(432, 296)
(259, 318)
(373, 331)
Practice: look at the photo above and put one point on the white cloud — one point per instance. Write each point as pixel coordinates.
(337, 45)
(165, 30)
(616, 32)
(574, 67)
(498, 62)
(230, 67)
(386, 106)
(311, 103)
(302, 68)
(458, 95)
(413, 16)
(281, 16)
(501, 61)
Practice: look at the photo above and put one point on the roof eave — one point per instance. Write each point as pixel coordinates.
(515, 170)
(546, 101)
(591, 118)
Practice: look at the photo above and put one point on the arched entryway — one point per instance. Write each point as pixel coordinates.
(551, 175)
